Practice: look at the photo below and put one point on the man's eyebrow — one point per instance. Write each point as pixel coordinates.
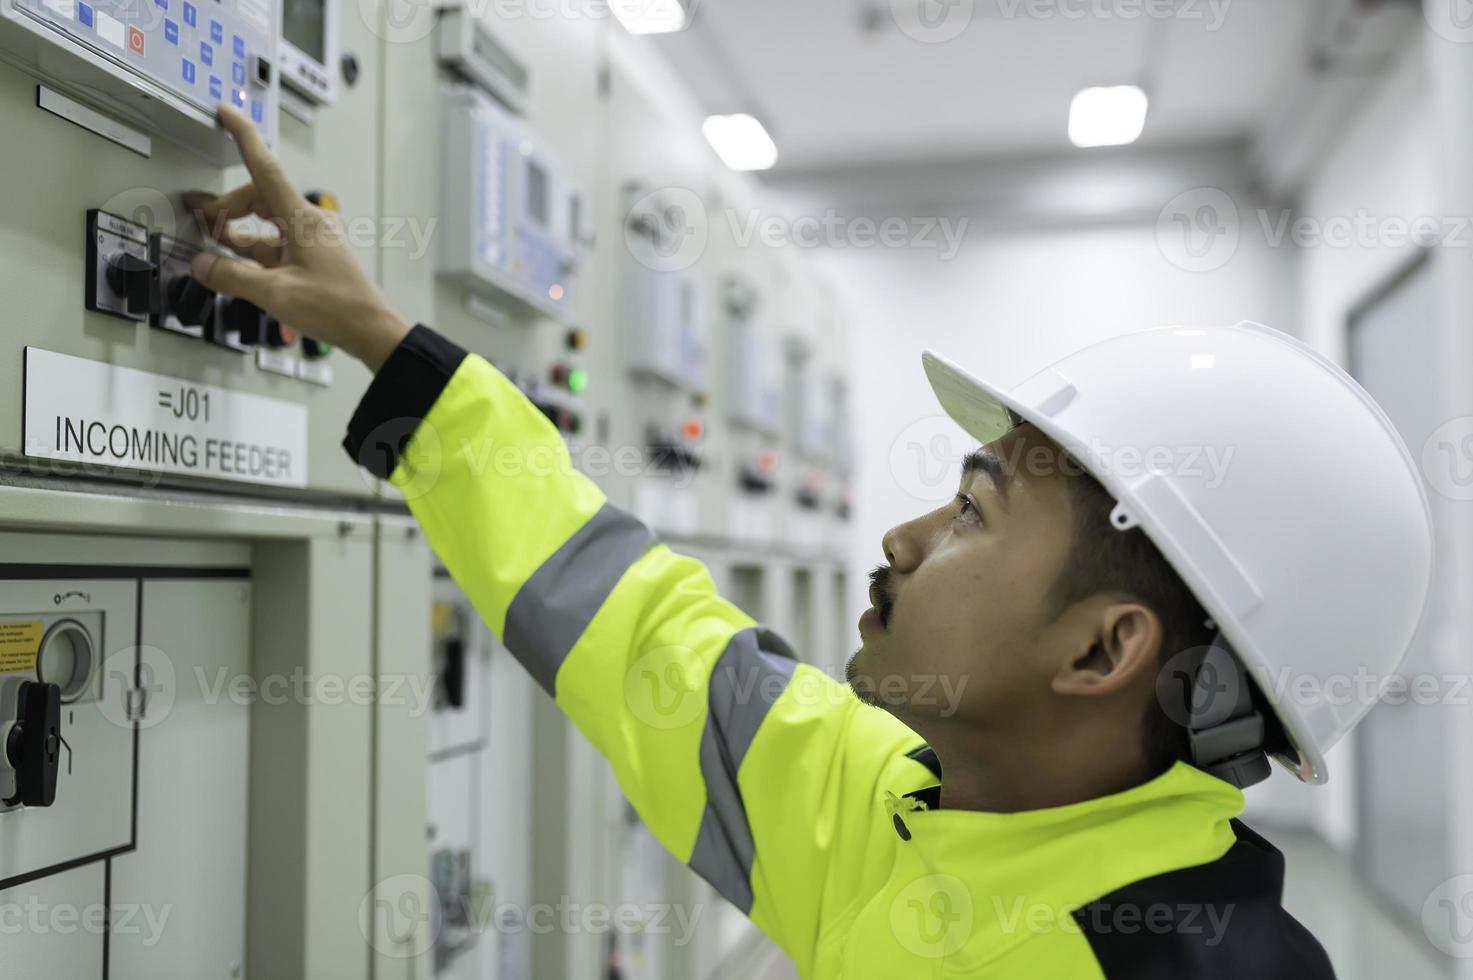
(984, 460)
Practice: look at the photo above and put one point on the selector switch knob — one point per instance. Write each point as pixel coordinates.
(131, 277)
(190, 301)
(246, 319)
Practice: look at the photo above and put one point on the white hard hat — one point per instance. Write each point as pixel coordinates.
(1273, 484)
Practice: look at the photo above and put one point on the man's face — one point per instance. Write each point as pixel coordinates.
(960, 623)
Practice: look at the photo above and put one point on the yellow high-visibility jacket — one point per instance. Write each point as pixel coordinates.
(814, 814)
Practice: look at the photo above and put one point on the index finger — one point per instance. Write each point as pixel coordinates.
(266, 173)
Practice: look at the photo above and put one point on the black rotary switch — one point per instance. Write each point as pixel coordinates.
(131, 277)
(190, 301)
(33, 746)
(245, 319)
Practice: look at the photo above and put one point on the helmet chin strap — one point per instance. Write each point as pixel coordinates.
(1226, 730)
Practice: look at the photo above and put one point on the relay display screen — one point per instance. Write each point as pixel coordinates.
(304, 26)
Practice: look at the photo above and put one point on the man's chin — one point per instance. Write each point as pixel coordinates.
(859, 679)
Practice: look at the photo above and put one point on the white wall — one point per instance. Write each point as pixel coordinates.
(1382, 166)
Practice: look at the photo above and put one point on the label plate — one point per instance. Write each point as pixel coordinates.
(19, 644)
(104, 415)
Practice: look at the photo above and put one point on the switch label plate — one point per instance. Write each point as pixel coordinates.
(19, 644)
(100, 414)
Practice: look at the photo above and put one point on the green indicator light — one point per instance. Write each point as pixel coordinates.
(577, 380)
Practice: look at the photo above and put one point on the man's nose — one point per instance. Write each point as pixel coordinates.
(904, 545)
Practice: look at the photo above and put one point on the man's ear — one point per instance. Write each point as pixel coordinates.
(1123, 650)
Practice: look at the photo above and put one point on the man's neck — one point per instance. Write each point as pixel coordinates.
(982, 772)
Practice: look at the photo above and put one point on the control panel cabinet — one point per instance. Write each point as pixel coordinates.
(123, 365)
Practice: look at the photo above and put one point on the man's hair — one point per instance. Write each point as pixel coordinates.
(1103, 558)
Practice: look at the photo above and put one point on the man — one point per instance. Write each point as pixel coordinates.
(1096, 642)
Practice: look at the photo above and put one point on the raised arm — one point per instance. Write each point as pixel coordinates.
(749, 766)
(756, 770)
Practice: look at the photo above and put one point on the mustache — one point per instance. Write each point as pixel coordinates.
(880, 594)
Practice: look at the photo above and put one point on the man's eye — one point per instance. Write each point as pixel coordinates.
(965, 507)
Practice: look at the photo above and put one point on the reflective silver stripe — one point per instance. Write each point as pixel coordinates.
(744, 684)
(553, 608)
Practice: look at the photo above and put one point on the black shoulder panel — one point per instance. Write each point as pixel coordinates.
(1218, 921)
(926, 756)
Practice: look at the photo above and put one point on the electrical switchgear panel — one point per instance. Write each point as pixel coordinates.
(513, 226)
(478, 759)
(163, 63)
(98, 249)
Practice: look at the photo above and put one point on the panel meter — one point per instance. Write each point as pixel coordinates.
(309, 50)
(666, 338)
(809, 404)
(163, 64)
(666, 328)
(753, 360)
(512, 222)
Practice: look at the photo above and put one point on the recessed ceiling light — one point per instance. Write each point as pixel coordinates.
(651, 16)
(1111, 115)
(740, 141)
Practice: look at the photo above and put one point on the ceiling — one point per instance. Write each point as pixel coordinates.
(846, 82)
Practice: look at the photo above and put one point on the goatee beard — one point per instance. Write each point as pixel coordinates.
(861, 685)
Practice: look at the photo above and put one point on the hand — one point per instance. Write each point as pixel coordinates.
(299, 269)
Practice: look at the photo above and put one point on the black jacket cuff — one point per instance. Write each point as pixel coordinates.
(401, 395)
